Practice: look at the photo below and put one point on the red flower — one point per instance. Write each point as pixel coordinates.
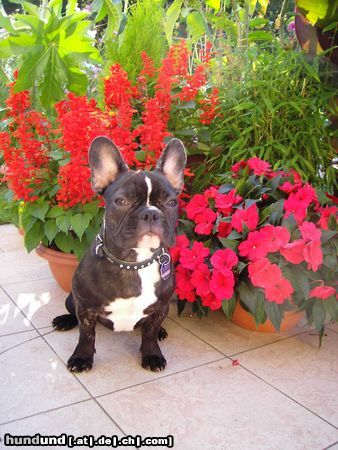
(212, 301)
(225, 202)
(205, 221)
(184, 288)
(224, 259)
(210, 107)
(196, 206)
(222, 283)
(322, 292)
(239, 166)
(254, 247)
(200, 279)
(293, 252)
(181, 242)
(280, 291)
(313, 255)
(264, 274)
(310, 232)
(224, 229)
(274, 237)
(325, 214)
(293, 205)
(248, 216)
(258, 166)
(190, 259)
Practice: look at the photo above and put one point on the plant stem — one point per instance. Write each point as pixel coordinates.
(282, 22)
(125, 8)
(43, 9)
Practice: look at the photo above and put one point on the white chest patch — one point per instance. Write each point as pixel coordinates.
(126, 312)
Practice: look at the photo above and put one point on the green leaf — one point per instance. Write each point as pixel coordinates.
(63, 222)
(248, 295)
(331, 306)
(27, 221)
(319, 314)
(258, 22)
(51, 229)
(227, 243)
(171, 16)
(91, 208)
(255, 36)
(32, 68)
(55, 212)
(54, 80)
(196, 25)
(34, 236)
(80, 248)
(214, 4)
(64, 242)
(79, 223)
(180, 306)
(38, 210)
(274, 313)
(228, 307)
(252, 5)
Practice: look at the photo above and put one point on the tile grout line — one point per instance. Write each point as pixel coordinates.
(79, 381)
(25, 281)
(24, 331)
(330, 446)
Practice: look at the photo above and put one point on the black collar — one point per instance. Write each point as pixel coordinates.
(101, 250)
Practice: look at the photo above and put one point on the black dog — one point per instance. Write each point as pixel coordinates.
(126, 279)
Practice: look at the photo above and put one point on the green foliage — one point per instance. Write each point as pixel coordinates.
(70, 231)
(274, 106)
(143, 31)
(51, 48)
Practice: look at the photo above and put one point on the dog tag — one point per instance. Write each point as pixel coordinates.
(165, 270)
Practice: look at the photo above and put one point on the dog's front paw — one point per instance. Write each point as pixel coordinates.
(154, 362)
(162, 334)
(64, 322)
(78, 364)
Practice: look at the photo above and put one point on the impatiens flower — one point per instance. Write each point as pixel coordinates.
(222, 283)
(224, 259)
(248, 216)
(224, 229)
(196, 206)
(200, 279)
(325, 214)
(263, 273)
(254, 247)
(293, 252)
(289, 187)
(205, 221)
(184, 288)
(274, 237)
(310, 232)
(280, 291)
(225, 202)
(258, 166)
(181, 242)
(322, 292)
(212, 301)
(295, 206)
(239, 166)
(191, 258)
(313, 255)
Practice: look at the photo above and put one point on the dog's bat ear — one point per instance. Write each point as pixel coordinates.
(172, 163)
(106, 163)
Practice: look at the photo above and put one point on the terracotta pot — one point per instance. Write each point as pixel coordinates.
(245, 320)
(62, 265)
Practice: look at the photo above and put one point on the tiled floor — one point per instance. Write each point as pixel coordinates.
(282, 395)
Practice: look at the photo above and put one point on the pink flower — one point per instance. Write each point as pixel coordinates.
(295, 206)
(322, 292)
(211, 301)
(293, 252)
(254, 247)
(274, 237)
(196, 206)
(205, 221)
(264, 274)
(191, 258)
(248, 216)
(280, 291)
(184, 288)
(224, 229)
(313, 255)
(310, 232)
(325, 214)
(222, 283)
(200, 279)
(224, 259)
(258, 166)
(239, 166)
(225, 202)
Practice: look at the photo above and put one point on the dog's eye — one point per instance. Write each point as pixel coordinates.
(121, 202)
(172, 203)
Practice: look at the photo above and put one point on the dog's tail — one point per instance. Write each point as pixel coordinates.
(66, 321)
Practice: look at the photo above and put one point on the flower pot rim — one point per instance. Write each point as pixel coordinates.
(56, 255)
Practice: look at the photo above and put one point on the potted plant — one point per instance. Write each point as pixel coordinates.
(46, 156)
(263, 241)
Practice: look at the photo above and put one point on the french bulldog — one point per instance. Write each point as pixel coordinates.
(126, 279)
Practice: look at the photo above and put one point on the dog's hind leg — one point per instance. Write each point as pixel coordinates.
(66, 321)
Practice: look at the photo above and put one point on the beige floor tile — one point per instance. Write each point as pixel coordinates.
(10, 239)
(85, 418)
(117, 362)
(18, 266)
(11, 318)
(14, 340)
(301, 370)
(33, 379)
(225, 336)
(333, 327)
(218, 406)
(40, 300)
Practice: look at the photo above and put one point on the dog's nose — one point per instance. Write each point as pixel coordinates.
(150, 215)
